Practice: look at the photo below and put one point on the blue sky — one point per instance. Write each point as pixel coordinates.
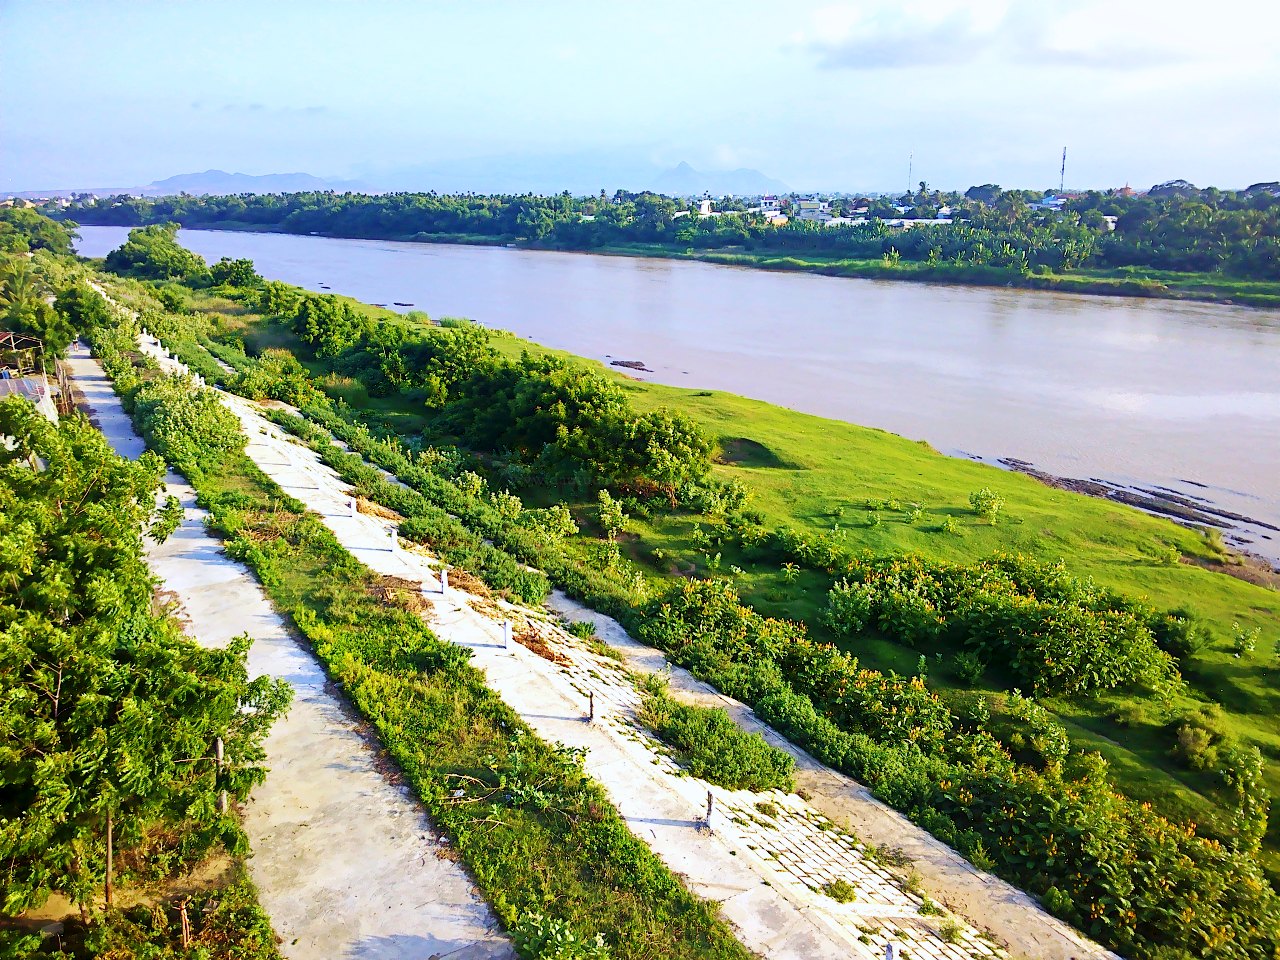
(822, 95)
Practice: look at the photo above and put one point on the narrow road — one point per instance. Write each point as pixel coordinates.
(346, 863)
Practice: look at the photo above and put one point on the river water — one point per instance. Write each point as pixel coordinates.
(1139, 393)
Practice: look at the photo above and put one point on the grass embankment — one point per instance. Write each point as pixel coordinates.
(819, 476)
(541, 839)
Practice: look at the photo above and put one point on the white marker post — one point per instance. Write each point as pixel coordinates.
(444, 580)
(506, 635)
(395, 540)
(355, 507)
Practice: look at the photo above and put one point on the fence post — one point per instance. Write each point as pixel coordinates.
(222, 794)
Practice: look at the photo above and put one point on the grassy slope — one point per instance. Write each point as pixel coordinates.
(801, 468)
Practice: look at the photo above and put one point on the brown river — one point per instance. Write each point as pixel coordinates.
(1144, 395)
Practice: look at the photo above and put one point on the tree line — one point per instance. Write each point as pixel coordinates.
(1236, 233)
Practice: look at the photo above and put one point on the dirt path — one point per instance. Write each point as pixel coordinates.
(346, 863)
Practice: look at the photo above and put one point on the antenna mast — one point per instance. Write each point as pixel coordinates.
(1062, 177)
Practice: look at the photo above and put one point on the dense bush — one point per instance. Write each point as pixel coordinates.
(710, 745)
(1057, 633)
(153, 253)
(186, 425)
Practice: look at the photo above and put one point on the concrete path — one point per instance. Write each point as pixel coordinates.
(765, 864)
(769, 855)
(346, 863)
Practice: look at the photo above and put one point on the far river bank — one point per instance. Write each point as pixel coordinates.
(1119, 282)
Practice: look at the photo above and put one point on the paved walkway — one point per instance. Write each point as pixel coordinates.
(346, 863)
(767, 856)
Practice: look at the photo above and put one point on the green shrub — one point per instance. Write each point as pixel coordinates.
(714, 748)
(968, 667)
(186, 425)
(841, 891)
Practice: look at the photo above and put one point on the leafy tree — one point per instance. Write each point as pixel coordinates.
(24, 308)
(22, 230)
(109, 717)
(235, 273)
(612, 520)
(153, 253)
(82, 307)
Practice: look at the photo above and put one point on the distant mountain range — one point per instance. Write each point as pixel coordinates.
(218, 182)
(684, 181)
(578, 173)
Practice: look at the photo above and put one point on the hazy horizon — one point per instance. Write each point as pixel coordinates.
(820, 95)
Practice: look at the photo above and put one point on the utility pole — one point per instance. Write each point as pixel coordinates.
(1062, 176)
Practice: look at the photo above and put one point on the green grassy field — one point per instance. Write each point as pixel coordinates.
(819, 476)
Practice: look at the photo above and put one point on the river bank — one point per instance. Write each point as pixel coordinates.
(1122, 282)
(1145, 393)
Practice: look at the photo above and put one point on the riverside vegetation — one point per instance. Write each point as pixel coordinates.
(111, 717)
(541, 839)
(1176, 240)
(114, 805)
(585, 478)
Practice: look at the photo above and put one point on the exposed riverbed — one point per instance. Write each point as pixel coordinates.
(1179, 400)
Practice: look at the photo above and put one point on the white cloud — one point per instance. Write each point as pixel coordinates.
(1130, 35)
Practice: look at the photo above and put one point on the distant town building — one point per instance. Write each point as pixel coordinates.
(813, 210)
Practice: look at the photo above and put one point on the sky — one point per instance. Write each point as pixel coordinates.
(822, 95)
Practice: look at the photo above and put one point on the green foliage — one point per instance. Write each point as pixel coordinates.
(712, 747)
(23, 308)
(538, 836)
(186, 425)
(108, 714)
(153, 253)
(968, 667)
(234, 273)
(1132, 879)
(82, 307)
(329, 323)
(841, 891)
(540, 937)
(1055, 632)
(610, 516)
(275, 375)
(986, 503)
(23, 230)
